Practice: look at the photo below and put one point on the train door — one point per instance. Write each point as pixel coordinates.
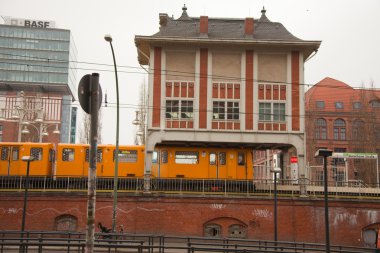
(217, 164)
(241, 165)
(10, 161)
(160, 161)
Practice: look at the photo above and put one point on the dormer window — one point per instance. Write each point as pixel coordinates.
(339, 105)
(320, 104)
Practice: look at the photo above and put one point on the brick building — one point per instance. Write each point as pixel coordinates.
(343, 119)
(224, 81)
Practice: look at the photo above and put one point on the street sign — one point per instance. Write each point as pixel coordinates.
(84, 93)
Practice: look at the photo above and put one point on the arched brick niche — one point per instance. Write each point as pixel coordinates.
(225, 227)
(66, 222)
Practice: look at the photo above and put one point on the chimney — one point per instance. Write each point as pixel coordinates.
(203, 25)
(248, 26)
(163, 19)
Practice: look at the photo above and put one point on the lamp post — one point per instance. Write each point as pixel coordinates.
(28, 160)
(108, 38)
(325, 153)
(275, 171)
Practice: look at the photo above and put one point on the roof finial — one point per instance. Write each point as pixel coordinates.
(184, 15)
(263, 10)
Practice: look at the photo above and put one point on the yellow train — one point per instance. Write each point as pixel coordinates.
(72, 160)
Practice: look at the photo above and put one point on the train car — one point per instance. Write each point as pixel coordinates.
(130, 162)
(199, 162)
(11, 163)
(71, 160)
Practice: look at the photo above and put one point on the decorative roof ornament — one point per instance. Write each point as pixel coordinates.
(184, 15)
(263, 17)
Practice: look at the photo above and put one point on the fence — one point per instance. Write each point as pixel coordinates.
(192, 186)
(12, 241)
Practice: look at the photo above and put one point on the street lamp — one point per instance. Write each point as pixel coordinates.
(42, 130)
(27, 112)
(28, 160)
(275, 171)
(325, 153)
(108, 38)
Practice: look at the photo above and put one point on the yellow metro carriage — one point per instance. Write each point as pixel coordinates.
(206, 163)
(73, 160)
(11, 154)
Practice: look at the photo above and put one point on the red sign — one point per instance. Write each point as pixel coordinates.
(293, 159)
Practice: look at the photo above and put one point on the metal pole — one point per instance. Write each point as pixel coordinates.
(91, 200)
(22, 249)
(327, 231)
(377, 171)
(25, 198)
(275, 208)
(115, 181)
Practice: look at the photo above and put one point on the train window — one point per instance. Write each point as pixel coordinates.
(36, 153)
(222, 158)
(68, 154)
(186, 157)
(154, 157)
(15, 153)
(164, 156)
(4, 153)
(127, 156)
(212, 158)
(99, 155)
(241, 158)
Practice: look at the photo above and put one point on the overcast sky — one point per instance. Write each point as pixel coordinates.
(349, 31)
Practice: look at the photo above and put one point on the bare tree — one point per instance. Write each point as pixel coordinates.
(85, 130)
(141, 116)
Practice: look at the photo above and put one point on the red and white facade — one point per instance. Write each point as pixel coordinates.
(239, 92)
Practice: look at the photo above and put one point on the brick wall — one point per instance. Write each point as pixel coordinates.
(298, 219)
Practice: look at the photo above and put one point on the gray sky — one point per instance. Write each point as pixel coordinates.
(349, 31)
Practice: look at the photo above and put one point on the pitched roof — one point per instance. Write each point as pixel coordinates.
(225, 28)
(222, 31)
(331, 90)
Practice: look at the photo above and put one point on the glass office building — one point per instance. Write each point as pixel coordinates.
(37, 57)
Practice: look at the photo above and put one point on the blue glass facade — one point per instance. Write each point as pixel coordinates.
(38, 55)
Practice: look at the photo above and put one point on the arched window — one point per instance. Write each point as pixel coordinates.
(237, 231)
(339, 130)
(66, 222)
(213, 230)
(320, 129)
(357, 130)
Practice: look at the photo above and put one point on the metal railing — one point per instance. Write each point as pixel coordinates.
(12, 241)
(289, 188)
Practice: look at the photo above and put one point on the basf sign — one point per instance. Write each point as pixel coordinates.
(29, 23)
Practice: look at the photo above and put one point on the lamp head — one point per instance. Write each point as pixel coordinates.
(27, 158)
(108, 37)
